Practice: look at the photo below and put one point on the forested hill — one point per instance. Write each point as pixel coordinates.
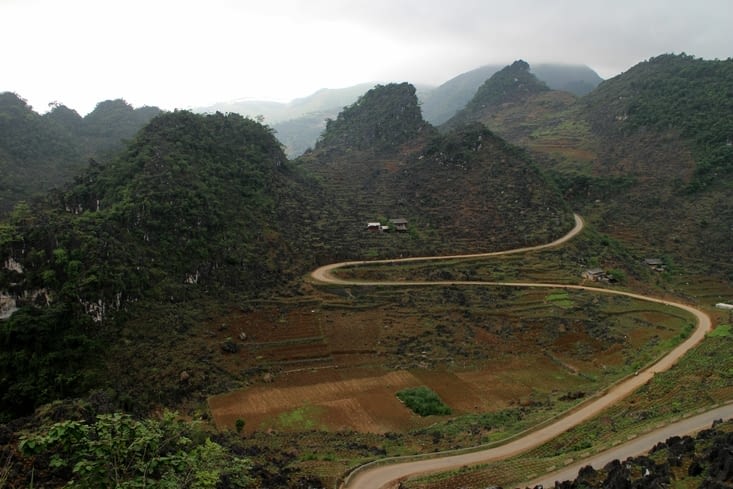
(691, 97)
(466, 190)
(39, 152)
(511, 85)
(647, 148)
(666, 128)
(34, 153)
(196, 206)
(382, 119)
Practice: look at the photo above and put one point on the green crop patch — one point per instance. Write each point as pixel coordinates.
(423, 401)
(560, 299)
(721, 331)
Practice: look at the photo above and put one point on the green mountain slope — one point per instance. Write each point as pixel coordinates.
(647, 148)
(196, 207)
(35, 154)
(690, 97)
(442, 103)
(510, 86)
(40, 152)
(463, 191)
(380, 120)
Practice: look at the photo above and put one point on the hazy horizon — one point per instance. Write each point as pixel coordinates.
(185, 54)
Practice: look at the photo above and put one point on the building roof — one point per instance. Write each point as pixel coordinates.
(400, 220)
(595, 271)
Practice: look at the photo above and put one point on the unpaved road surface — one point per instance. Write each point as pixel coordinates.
(388, 476)
(639, 445)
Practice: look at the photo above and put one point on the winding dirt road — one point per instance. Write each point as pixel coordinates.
(388, 476)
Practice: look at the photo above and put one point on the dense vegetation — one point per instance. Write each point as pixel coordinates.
(131, 268)
(692, 97)
(652, 146)
(510, 85)
(466, 186)
(193, 207)
(423, 401)
(39, 152)
(116, 450)
(34, 153)
(383, 118)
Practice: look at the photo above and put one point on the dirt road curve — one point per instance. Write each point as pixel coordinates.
(388, 476)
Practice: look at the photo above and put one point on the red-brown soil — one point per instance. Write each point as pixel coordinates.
(339, 368)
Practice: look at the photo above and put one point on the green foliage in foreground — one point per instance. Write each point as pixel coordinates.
(423, 401)
(119, 451)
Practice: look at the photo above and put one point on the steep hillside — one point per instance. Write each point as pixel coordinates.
(196, 207)
(35, 154)
(379, 121)
(443, 102)
(689, 97)
(649, 147)
(463, 191)
(667, 126)
(39, 152)
(510, 86)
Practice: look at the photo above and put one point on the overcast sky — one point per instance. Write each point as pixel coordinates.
(188, 53)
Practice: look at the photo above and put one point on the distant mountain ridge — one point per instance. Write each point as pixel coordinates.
(325, 99)
(299, 123)
(443, 102)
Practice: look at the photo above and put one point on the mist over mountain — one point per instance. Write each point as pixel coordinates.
(299, 123)
(324, 100)
(443, 102)
(511, 85)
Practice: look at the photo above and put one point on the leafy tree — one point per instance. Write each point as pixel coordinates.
(119, 451)
(44, 355)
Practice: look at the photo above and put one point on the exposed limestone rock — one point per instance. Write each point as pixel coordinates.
(7, 306)
(12, 264)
